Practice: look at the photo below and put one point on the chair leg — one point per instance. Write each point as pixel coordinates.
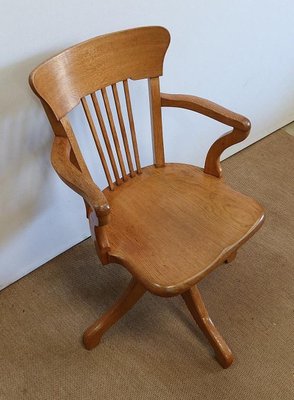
(132, 294)
(198, 310)
(231, 257)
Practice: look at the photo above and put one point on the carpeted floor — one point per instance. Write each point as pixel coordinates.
(156, 351)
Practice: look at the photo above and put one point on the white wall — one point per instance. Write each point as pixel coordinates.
(239, 54)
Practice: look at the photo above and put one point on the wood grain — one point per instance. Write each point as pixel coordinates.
(198, 311)
(169, 226)
(97, 141)
(99, 62)
(212, 162)
(129, 298)
(240, 124)
(78, 181)
(123, 129)
(132, 125)
(106, 138)
(206, 107)
(114, 134)
(156, 122)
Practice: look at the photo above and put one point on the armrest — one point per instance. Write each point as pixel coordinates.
(240, 124)
(206, 107)
(79, 182)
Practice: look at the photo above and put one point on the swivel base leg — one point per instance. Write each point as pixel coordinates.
(198, 310)
(129, 298)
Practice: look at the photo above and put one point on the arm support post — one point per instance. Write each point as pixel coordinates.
(240, 124)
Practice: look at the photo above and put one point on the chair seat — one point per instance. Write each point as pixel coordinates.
(171, 226)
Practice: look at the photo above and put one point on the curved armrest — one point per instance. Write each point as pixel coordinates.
(79, 182)
(206, 107)
(212, 110)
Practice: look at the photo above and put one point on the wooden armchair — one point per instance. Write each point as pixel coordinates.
(169, 225)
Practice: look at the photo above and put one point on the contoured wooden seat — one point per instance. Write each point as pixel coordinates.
(173, 225)
(168, 224)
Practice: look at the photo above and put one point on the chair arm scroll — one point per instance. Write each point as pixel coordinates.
(79, 182)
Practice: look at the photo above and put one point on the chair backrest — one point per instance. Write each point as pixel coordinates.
(65, 80)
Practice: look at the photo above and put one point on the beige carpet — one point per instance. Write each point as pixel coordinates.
(156, 351)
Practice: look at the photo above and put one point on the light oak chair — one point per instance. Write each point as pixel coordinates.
(169, 225)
